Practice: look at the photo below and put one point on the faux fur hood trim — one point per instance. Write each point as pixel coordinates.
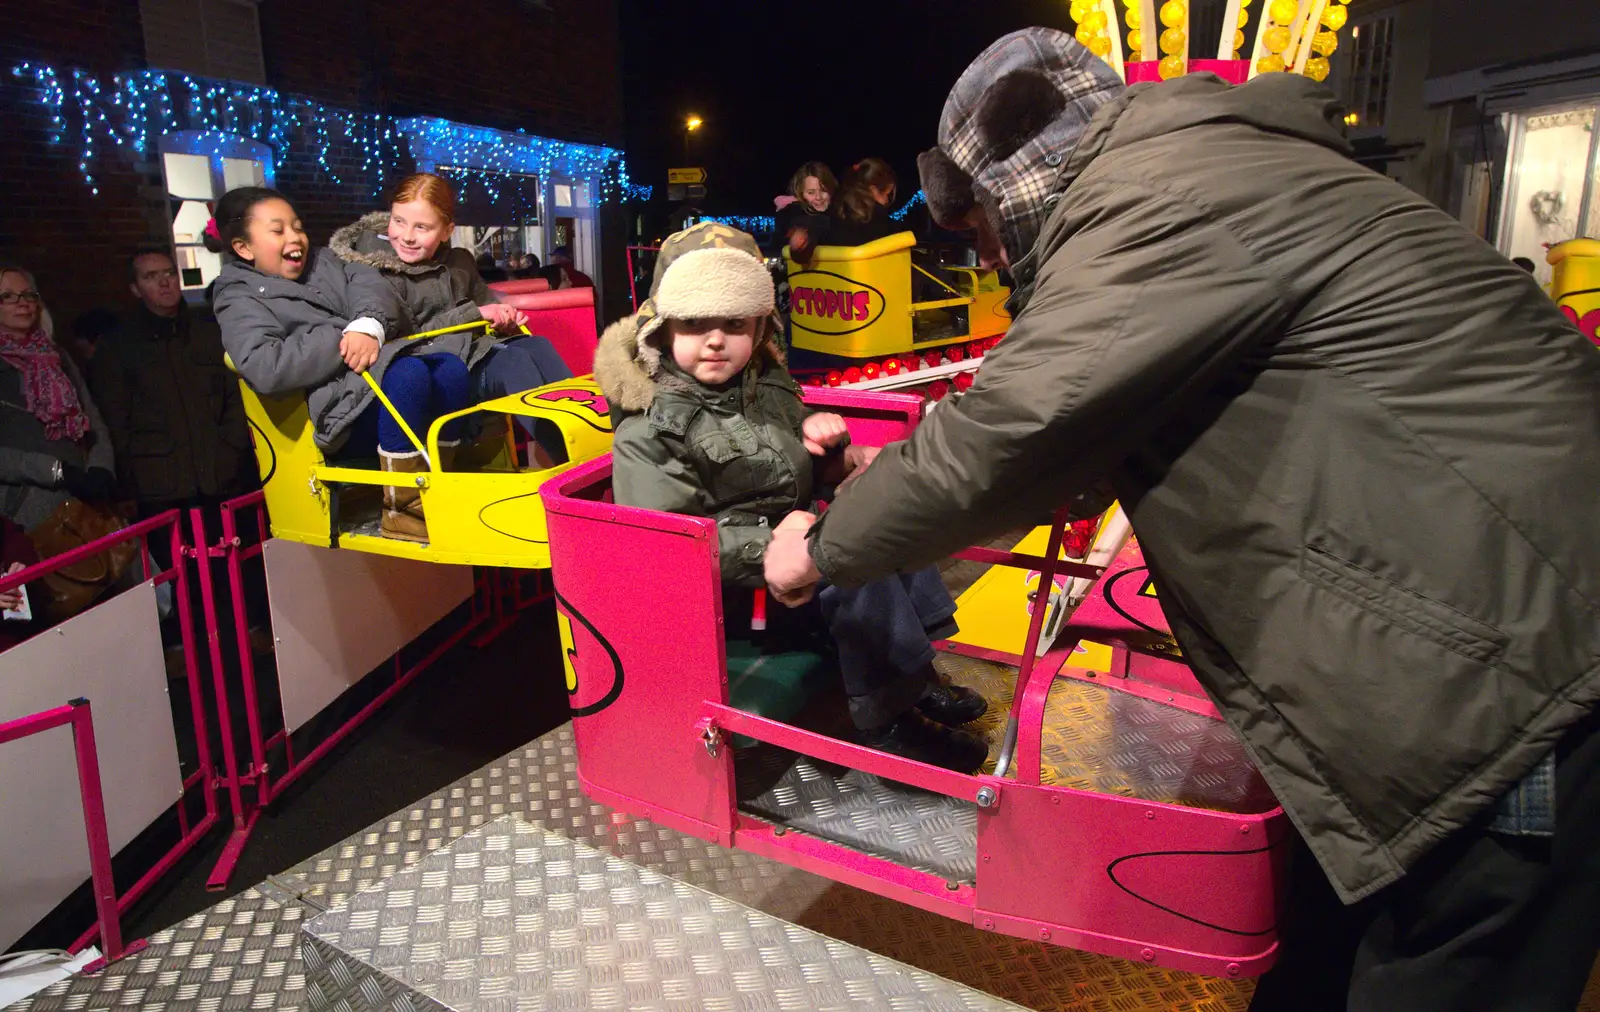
(366, 241)
(628, 366)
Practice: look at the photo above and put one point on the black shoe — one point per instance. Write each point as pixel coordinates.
(951, 705)
(916, 737)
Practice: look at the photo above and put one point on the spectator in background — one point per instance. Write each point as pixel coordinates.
(488, 270)
(85, 334)
(861, 212)
(171, 404)
(803, 223)
(175, 416)
(562, 274)
(53, 444)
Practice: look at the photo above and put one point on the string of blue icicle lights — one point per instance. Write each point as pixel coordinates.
(134, 110)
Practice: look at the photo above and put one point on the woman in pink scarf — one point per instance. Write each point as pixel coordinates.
(53, 444)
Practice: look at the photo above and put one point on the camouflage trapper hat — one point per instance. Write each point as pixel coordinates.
(706, 272)
(709, 271)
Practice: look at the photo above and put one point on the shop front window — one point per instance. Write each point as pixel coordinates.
(1551, 188)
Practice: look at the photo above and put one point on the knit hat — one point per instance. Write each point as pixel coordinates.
(1010, 124)
(708, 271)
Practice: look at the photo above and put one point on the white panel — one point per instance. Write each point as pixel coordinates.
(337, 614)
(111, 655)
(189, 224)
(237, 172)
(189, 176)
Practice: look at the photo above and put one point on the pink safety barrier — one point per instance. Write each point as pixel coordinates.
(201, 779)
(257, 772)
(566, 317)
(1190, 888)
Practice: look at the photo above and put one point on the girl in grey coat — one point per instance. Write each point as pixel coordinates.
(295, 319)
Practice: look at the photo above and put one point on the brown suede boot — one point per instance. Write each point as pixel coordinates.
(402, 506)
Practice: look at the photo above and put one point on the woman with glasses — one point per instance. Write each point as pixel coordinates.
(53, 444)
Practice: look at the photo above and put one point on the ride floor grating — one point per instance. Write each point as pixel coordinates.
(244, 953)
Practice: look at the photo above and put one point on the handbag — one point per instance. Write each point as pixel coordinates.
(73, 588)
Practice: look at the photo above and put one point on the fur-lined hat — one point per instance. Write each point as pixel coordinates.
(704, 272)
(1010, 124)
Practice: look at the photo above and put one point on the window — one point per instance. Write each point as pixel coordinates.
(1550, 188)
(1371, 64)
(199, 168)
(216, 38)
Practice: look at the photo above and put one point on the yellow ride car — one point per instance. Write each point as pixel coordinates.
(487, 512)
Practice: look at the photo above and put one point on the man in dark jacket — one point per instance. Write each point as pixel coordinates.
(1360, 449)
(174, 411)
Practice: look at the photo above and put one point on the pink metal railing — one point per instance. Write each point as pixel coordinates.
(255, 784)
(202, 778)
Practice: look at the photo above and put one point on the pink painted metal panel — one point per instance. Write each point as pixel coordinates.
(1232, 71)
(874, 419)
(640, 597)
(1183, 887)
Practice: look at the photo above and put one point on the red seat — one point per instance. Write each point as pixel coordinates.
(522, 286)
(565, 316)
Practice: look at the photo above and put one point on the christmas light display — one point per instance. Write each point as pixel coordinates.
(135, 110)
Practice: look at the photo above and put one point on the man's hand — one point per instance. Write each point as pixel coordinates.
(791, 575)
(505, 319)
(11, 600)
(821, 431)
(358, 350)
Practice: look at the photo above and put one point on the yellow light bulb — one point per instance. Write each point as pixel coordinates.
(1334, 17)
(1270, 64)
(1324, 43)
(1095, 21)
(1174, 13)
(1170, 67)
(1317, 68)
(1238, 40)
(1135, 43)
(1135, 19)
(1080, 8)
(1275, 39)
(1084, 34)
(1244, 17)
(1173, 41)
(1284, 11)
(1100, 45)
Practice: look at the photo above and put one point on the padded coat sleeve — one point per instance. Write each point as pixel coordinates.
(645, 473)
(271, 364)
(368, 294)
(1144, 306)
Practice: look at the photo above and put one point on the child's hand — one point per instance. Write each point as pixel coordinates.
(11, 600)
(505, 319)
(856, 461)
(358, 350)
(822, 430)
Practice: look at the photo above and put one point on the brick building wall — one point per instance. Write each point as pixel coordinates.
(490, 63)
(50, 222)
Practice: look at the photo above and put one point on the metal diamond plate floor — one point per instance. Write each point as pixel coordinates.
(242, 954)
(512, 917)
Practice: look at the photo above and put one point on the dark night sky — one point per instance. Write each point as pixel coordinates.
(780, 83)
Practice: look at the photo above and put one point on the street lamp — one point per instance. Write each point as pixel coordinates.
(693, 123)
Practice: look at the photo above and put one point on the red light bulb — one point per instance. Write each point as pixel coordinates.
(870, 370)
(834, 378)
(852, 375)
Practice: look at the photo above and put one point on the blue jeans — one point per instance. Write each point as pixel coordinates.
(517, 365)
(421, 387)
(882, 635)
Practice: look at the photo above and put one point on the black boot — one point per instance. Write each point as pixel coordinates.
(916, 737)
(951, 705)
